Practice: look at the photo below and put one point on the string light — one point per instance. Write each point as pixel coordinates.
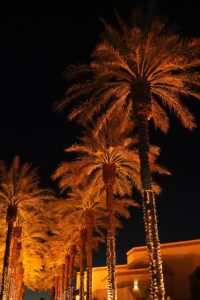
(111, 259)
(5, 290)
(70, 293)
(157, 288)
(81, 293)
(89, 283)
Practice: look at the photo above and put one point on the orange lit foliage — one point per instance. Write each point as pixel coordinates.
(97, 153)
(138, 71)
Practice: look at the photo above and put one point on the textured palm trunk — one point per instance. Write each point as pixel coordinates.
(143, 110)
(67, 264)
(11, 217)
(21, 293)
(15, 254)
(89, 242)
(61, 282)
(56, 287)
(82, 265)
(109, 176)
(17, 276)
(52, 293)
(71, 273)
(20, 286)
(64, 281)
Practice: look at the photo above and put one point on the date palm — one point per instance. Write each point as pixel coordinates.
(145, 73)
(63, 251)
(27, 233)
(81, 214)
(111, 163)
(34, 246)
(20, 195)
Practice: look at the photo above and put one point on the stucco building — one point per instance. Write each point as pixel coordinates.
(180, 260)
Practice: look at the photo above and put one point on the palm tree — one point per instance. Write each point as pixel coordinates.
(142, 72)
(26, 232)
(81, 214)
(87, 208)
(62, 255)
(110, 163)
(20, 194)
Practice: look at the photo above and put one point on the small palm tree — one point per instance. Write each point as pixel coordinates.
(20, 194)
(81, 214)
(62, 255)
(142, 73)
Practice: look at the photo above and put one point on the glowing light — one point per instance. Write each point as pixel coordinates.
(135, 285)
(157, 288)
(111, 258)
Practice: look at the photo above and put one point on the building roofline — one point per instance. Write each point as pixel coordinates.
(166, 245)
(105, 267)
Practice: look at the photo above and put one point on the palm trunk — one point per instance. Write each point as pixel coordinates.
(62, 282)
(17, 276)
(56, 287)
(59, 285)
(15, 254)
(67, 263)
(71, 274)
(149, 211)
(89, 242)
(11, 217)
(52, 293)
(21, 294)
(111, 251)
(20, 275)
(109, 175)
(82, 266)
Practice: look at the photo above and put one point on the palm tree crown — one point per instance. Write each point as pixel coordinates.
(134, 68)
(19, 187)
(108, 147)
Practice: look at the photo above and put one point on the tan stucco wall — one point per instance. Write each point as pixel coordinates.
(180, 260)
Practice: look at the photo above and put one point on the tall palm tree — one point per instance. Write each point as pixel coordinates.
(20, 194)
(110, 163)
(144, 73)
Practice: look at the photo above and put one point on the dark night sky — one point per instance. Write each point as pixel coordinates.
(34, 52)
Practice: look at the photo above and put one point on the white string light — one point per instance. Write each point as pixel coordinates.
(157, 289)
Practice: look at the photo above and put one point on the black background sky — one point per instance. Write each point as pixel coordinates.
(34, 52)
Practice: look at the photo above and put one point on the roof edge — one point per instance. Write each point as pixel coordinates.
(166, 245)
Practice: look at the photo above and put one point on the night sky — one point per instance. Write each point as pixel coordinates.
(34, 52)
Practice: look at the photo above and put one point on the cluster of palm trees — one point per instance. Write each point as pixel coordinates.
(136, 76)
